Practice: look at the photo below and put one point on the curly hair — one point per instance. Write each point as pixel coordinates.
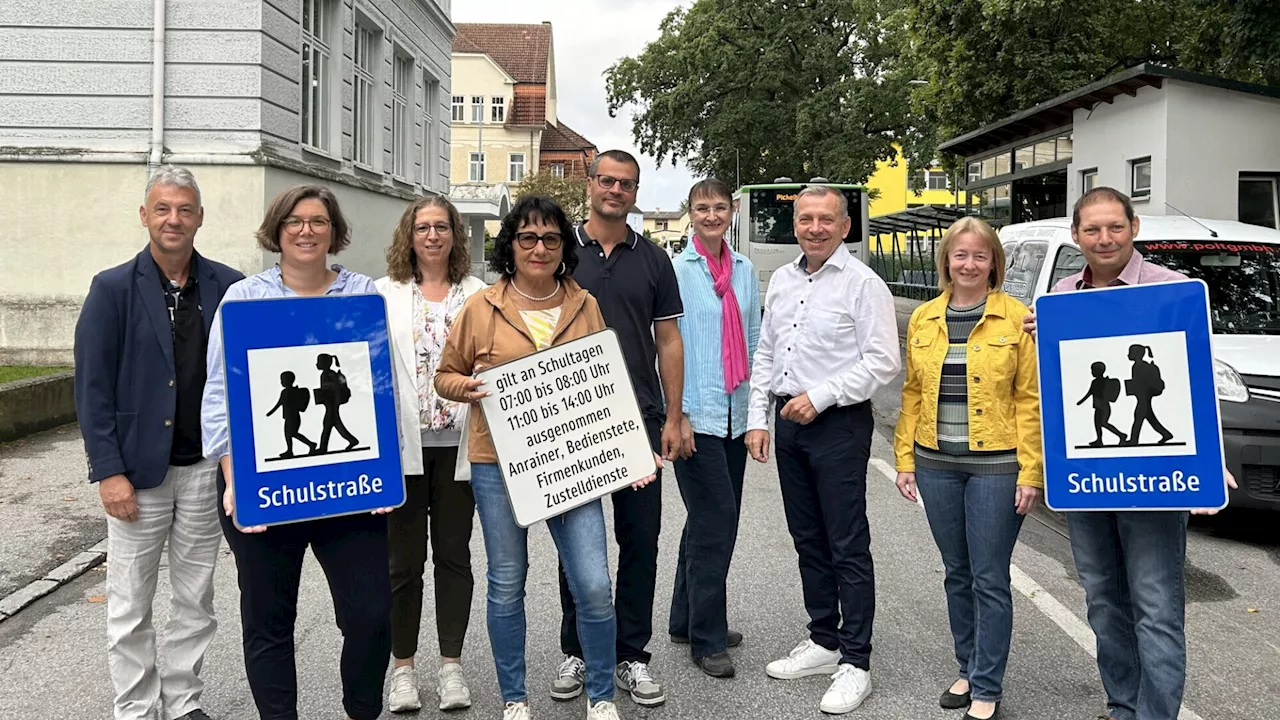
(527, 210)
(268, 233)
(402, 261)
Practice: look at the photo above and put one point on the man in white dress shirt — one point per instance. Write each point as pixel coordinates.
(829, 340)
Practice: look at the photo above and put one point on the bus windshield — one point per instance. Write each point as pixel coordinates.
(772, 211)
(1243, 280)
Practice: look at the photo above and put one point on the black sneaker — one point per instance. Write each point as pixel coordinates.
(196, 715)
(734, 639)
(719, 665)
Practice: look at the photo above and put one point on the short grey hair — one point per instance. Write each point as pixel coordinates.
(175, 176)
(823, 191)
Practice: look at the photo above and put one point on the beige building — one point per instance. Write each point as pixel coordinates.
(503, 108)
(666, 226)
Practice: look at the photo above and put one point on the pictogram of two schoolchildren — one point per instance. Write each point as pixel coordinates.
(1144, 384)
(332, 394)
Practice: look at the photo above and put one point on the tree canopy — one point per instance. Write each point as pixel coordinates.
(570, 193)
(827, 87)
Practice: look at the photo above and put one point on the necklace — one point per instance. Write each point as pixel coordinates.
(531, 298)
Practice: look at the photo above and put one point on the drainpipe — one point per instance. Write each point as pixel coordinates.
(157, 88)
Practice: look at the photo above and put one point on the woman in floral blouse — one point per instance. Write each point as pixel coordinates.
(428, 281)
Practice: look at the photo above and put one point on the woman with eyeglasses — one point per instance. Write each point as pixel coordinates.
(535, 305)
(304, 225)
(428, 281)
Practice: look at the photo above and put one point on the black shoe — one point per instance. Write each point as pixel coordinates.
(994, 714)
(954, 701)
(195, 715)
(719, 665)
(734, 639)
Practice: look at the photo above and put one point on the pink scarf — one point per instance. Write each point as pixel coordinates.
(733, 344)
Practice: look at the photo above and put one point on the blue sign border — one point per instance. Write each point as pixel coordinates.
(1146, 309)
(301, 321)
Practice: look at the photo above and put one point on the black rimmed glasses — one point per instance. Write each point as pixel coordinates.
(440, 229)
(529, 240)
(293, 225)
(608, 181)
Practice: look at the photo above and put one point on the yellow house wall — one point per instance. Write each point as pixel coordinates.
(477, 75)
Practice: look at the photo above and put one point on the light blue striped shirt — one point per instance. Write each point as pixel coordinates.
(266, 284)
(705, 400)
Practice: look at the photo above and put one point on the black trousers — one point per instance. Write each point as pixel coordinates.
(711, 486)
(637, 523)
(352, 550)
(441, 509)
(822, 468)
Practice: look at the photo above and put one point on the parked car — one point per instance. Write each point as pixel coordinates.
(1241, 265)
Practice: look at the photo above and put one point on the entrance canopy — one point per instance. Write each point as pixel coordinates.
(482, 201)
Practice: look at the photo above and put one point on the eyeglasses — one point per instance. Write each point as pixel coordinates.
(529, 241)
(293, 225)
(720, 209)
(425, 230)
(607, 182)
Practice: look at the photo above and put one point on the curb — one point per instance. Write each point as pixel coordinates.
(11, 604)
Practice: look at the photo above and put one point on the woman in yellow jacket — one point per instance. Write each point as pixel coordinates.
(969, 439)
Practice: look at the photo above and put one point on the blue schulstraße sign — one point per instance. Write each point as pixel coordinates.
(1128, 402)
(311, 407)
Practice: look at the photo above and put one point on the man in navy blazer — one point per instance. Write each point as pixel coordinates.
(140, 371)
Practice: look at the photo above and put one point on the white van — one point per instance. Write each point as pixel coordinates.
(1241, 265)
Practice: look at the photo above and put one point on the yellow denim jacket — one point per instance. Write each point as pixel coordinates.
(1004, 394)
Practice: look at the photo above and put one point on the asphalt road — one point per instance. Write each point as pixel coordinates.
(53, 664)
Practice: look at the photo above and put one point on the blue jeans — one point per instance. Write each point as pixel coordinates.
(580, 539)
(975, 525)
(1131, 567)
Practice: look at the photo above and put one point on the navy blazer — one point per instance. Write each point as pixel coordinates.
(125, 373)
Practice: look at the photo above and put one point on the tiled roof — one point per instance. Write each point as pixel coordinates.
(563, 137)
(664, 215)
(523, 51)
(528, 109)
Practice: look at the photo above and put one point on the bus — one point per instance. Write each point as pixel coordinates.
(762, 224)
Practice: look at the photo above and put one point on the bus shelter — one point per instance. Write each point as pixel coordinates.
(904, 246)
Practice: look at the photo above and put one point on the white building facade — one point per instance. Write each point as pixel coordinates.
(254, 96)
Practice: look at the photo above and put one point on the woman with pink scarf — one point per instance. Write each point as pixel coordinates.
(720, 328)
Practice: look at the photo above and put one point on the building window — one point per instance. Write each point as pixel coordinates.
(1259, 202)
(430, 91)
(1088, 180)
(515, 167)
(1065, 147)
(401, 139)
(476, 173)
(458, 109)
(317, 22)
(557, 170)
(498, 109)
(936, 179)
(477, 108)
(975, 172)
(1140, 178)
(366, 99)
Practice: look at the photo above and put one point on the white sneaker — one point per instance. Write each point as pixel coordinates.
(603, 710)
(636, 679)
(451, 686)
(849, 687)
(570, 679)
(516, 711)
(404, 691)
(808, 658)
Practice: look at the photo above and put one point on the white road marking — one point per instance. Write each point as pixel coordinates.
(1075, 628)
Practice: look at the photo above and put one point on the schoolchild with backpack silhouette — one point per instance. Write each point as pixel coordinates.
(333, 392)
(1144, 385)
(294, 400)
(1104, 391)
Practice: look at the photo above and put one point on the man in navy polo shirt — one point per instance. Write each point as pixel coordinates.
(635, 284)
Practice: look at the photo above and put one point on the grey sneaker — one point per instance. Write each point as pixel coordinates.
(570, 678)
(635, 678)
(451, 686)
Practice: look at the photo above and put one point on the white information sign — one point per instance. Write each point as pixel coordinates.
(566, 426)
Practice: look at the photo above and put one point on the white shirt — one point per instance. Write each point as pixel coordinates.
(832, 334)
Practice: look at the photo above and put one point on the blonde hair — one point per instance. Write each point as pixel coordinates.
(978, 227)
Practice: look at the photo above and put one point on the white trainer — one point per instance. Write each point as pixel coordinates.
(849, 687)
(451, 686)
(516, 711)
(404, 691)
(603, 710)
(808, 658)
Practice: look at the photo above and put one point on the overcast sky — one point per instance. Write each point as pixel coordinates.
(588, 37)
